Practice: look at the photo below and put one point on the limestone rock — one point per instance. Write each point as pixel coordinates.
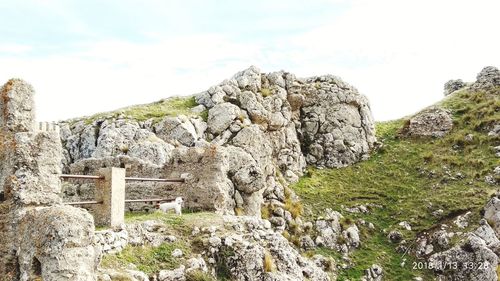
(221, 116)
(432, 122)
(172, 275)
(250, 241)
(487, 79)
(328, 230)
(473, 259)
(492, 214)
(337, 128)
(453, 85)
(19, 111)
(57, 238)
(179, 129)
(374, 273)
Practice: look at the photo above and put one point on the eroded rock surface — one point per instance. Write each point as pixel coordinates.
(260, 132)
(432, 122)
(39, 237)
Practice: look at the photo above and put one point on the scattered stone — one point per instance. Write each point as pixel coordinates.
(177, 253)
(453, 85)
(405, 225)
(432, 122)
(395, 236)
(475, 262)
(487, 79)
(172, 275)
(374, 273)
(463, 220)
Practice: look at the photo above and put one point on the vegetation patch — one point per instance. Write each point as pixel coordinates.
(166, 107)
(411, 178)
(147, 259)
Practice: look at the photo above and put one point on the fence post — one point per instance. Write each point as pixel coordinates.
(111, 192)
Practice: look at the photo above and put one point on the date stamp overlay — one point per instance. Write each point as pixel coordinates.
(450, 266)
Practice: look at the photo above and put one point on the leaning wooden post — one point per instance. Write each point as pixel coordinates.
(111, 192)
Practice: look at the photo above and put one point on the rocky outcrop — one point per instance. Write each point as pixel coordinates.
(474, 257)
(453, 85)
(261, 131)
(472, 261)
(487, 79)
(432, 122)
(40, 238)
(337, 128)
(248, 249)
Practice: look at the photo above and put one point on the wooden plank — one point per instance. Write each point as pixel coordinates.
(148, 200)
(83, 203)
(155, 180)
(87, 177)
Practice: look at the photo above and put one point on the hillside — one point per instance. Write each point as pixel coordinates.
(283, 178)
(411, 179)
(415, 186)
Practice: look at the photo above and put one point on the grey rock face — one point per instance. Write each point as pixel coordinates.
(374, 273)
(60, 239)
(471, 261)
(432, 122)
(250, 243)
(488, 78)
(259, 133)
(453, 85)
(40, 238)
(492, 214)
(329, 230)
(337, 128)
(178, 128)
(17, 106)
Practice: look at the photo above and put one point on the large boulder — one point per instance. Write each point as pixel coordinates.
(251, 250)
(487, 79)
(453, 85)
(337, 126)
(470, 261)
(492, 214)
(431, 122)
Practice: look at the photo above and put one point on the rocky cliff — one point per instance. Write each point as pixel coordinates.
(238, 144)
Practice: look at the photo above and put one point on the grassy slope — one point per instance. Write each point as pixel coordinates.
(411, 178)
(166, 107)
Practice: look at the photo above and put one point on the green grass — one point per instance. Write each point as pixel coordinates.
(411, 178)
(152, 259)
(166, 107)
(148, 259)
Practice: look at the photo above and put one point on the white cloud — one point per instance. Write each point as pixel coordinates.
(398, 53)
(112, 74)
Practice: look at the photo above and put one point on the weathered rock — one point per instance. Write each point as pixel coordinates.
(40, 238)
(260, 128)
(432, 122)
(179, 129)
(221, 116)
(337, 128)
(250, 242)
(374, 273)
(487, 79)
(17, 106)
(328, 230)
(492, 214)
(57, 242)
(172, 275)
(453, 85)
(471, 261)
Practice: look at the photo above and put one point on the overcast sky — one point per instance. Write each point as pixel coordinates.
(85, 57)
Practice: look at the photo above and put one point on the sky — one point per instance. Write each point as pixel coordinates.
(85, 57)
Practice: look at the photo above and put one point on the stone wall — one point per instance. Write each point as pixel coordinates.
(40, 237)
